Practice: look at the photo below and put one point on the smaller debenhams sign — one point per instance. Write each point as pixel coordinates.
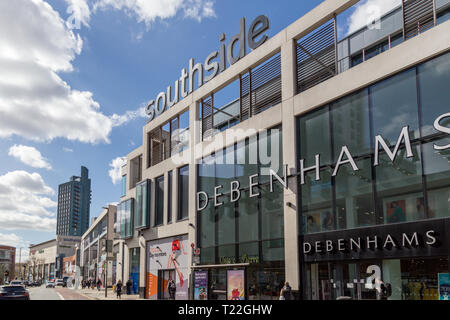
(420, 238)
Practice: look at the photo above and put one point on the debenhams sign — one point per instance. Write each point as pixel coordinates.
(345, 158)
(215, 62)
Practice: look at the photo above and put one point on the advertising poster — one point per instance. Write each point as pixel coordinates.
(168, 258)
(235, 285)
(201, 285)
(444, 286)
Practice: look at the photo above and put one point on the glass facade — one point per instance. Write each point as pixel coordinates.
(125, 212)
(250, 230)
(406, 189)
(143, 192)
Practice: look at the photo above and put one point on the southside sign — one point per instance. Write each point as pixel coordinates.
(345, 157)
(255, 37)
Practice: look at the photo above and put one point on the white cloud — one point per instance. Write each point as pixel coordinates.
(30, 156)
(118, 120)
(366, 11)
(148, 11)
(80, 12)
(67, 149)
(115, 171)
(25, 202)
(35, 44)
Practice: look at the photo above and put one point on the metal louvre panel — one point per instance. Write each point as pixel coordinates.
(316, 57)
(207, 117)
(418, 16)
(265, 87)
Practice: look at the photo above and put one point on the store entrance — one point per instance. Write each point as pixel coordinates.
(392, 279)
(163, 279)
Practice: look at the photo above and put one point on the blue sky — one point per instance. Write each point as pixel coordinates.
(123, 55)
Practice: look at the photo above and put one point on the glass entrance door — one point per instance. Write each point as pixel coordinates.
(163, 279)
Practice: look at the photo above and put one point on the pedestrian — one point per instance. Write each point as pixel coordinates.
(99, 284)
(129, 284)
(119, 289)
(285, 293)
(172, 288)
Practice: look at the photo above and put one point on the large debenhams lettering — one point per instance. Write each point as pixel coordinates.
(255, 36)
(345, 157)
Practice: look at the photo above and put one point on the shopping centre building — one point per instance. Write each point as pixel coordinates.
(310, 156)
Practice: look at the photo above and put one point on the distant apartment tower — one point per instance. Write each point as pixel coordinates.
(74, 201)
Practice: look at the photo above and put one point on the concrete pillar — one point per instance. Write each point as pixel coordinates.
(288, 79)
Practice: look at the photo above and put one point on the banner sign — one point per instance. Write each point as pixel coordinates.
(444, 286)
(235, 285)
(201, 285)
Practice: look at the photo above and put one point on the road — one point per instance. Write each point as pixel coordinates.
(42, 293)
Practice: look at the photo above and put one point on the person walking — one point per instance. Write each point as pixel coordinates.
(129, 284)
(119, 289)
(172, 288)
(99, 284)
(286, 292)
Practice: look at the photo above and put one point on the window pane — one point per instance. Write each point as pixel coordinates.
(226, 221)
(124, 185)
(225, 169)
(248, 217)
(270, 153)
(399, 187)
(394, 105)
(183, 192)
(247, 160)
(184, 131)
(351, 126)
(316, 200)
(315, 137)
(434, 80)
(272, 214)
(175, 136)
(273, 250)
(159, 212)
(165, 132)
(169, 200)
(354, 201)
(227, 254)
(437, 172)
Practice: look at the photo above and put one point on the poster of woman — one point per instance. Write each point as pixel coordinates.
(235, 285)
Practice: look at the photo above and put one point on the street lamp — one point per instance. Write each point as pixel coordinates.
(106, 247)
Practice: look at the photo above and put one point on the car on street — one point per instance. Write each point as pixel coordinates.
(59, 282)
(50, 284)
(14, 292)
(17, 283)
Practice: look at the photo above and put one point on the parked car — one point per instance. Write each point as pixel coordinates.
(13, 292)
(65, 279)
(17, 283)
(50, 284)
(59, 282)
(37, 283)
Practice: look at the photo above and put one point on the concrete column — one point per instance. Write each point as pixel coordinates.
(288, 79)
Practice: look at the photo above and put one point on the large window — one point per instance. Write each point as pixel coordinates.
(169, 196)
(251, 227)
(124, 185)
(142, 204)
(183, 192)
(125, 211)
(168, 139)
(159, 201)
(412, 186)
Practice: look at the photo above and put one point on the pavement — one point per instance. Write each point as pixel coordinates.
(60, 293)
(95, 294)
